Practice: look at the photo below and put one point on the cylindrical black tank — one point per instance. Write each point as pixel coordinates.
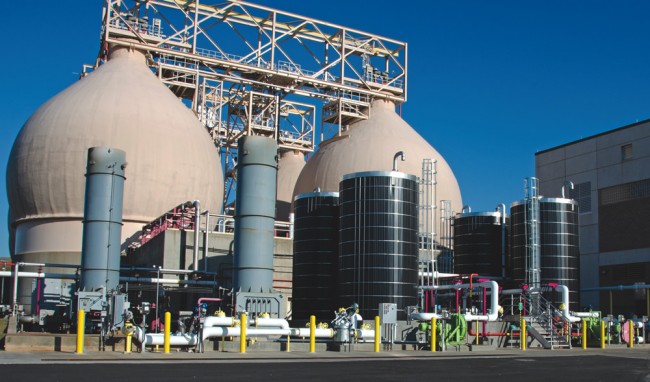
(315, 255)
(518, 242)
(479, 242)
(559, 244)
(378, 240)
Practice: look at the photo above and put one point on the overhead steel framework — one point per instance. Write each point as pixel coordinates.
(249, 69)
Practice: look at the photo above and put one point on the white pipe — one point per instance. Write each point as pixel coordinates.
(437, 274)
(219, 321)
(320, 332)
(165, 270)
(494, 304)
(494, 299)
(271, 323)
(292, 219)
(420, 316)
(222, 331)
(39, 275)
(564, 297)
(586, 314)
(576, 316)
(14, 307)
(155, 280)
(365, 333)
(399, 154)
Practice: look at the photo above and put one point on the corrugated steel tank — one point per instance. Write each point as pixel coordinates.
(479, 243)
(559, 245)
(369, 145)
(123, 105)
(315, 255)
(378, 241)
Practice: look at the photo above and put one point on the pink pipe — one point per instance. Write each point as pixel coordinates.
(484, 308)
(426, 302)
(212, 299)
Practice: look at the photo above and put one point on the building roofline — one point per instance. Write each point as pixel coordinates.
(594, 136)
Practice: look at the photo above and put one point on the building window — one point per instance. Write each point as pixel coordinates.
(626, 152)
(581, 193)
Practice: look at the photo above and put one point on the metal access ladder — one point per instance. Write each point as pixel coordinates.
(547, 324)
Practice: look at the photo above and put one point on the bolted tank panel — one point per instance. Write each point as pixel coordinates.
(257, 166)
(378, 240)
(315, 255)
(559, 246)
(517, 263)
(102, 224)
(559, 239)
(478, 243)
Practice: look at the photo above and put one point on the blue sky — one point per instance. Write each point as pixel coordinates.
(490, 82)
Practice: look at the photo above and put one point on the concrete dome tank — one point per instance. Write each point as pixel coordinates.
(369, 145)
(290, 164)
(171, 158)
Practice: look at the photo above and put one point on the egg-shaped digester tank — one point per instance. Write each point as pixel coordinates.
(315, 255)
(480, 239)
(290, 164)
(369, 145)
(172, 158)
(378, 240)
(559, 246)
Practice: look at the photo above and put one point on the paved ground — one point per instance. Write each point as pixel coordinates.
(499, 365)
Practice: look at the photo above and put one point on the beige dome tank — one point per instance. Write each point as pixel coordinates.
(290, 164)
(171, 159)
(370, 145)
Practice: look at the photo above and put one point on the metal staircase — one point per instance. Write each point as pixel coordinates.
(546, 323)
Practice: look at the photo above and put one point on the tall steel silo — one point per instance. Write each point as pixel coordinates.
(559, 239)
(315, 255)
(480, 242)
(378, 240)
(518, 242)
(559, 245)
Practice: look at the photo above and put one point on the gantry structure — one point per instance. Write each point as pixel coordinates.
(249, 69)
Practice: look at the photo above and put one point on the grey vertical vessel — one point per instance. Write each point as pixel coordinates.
(315, 255)
(102, 224)
(257, 167)
(378, 240)
(478, 243)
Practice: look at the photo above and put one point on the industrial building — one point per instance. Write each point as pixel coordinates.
(611, 177)
(171, 180)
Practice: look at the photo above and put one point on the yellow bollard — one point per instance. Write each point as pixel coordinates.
(168, 328)
(602, 334)
(377, 334)
(312, 334)
(128, 343)
(584, 334)
(433, 334)
(522, 335)
(288, 343)
(477, 332)
(81, 326)
(631, 339)
(242, 336)
(128, 330)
